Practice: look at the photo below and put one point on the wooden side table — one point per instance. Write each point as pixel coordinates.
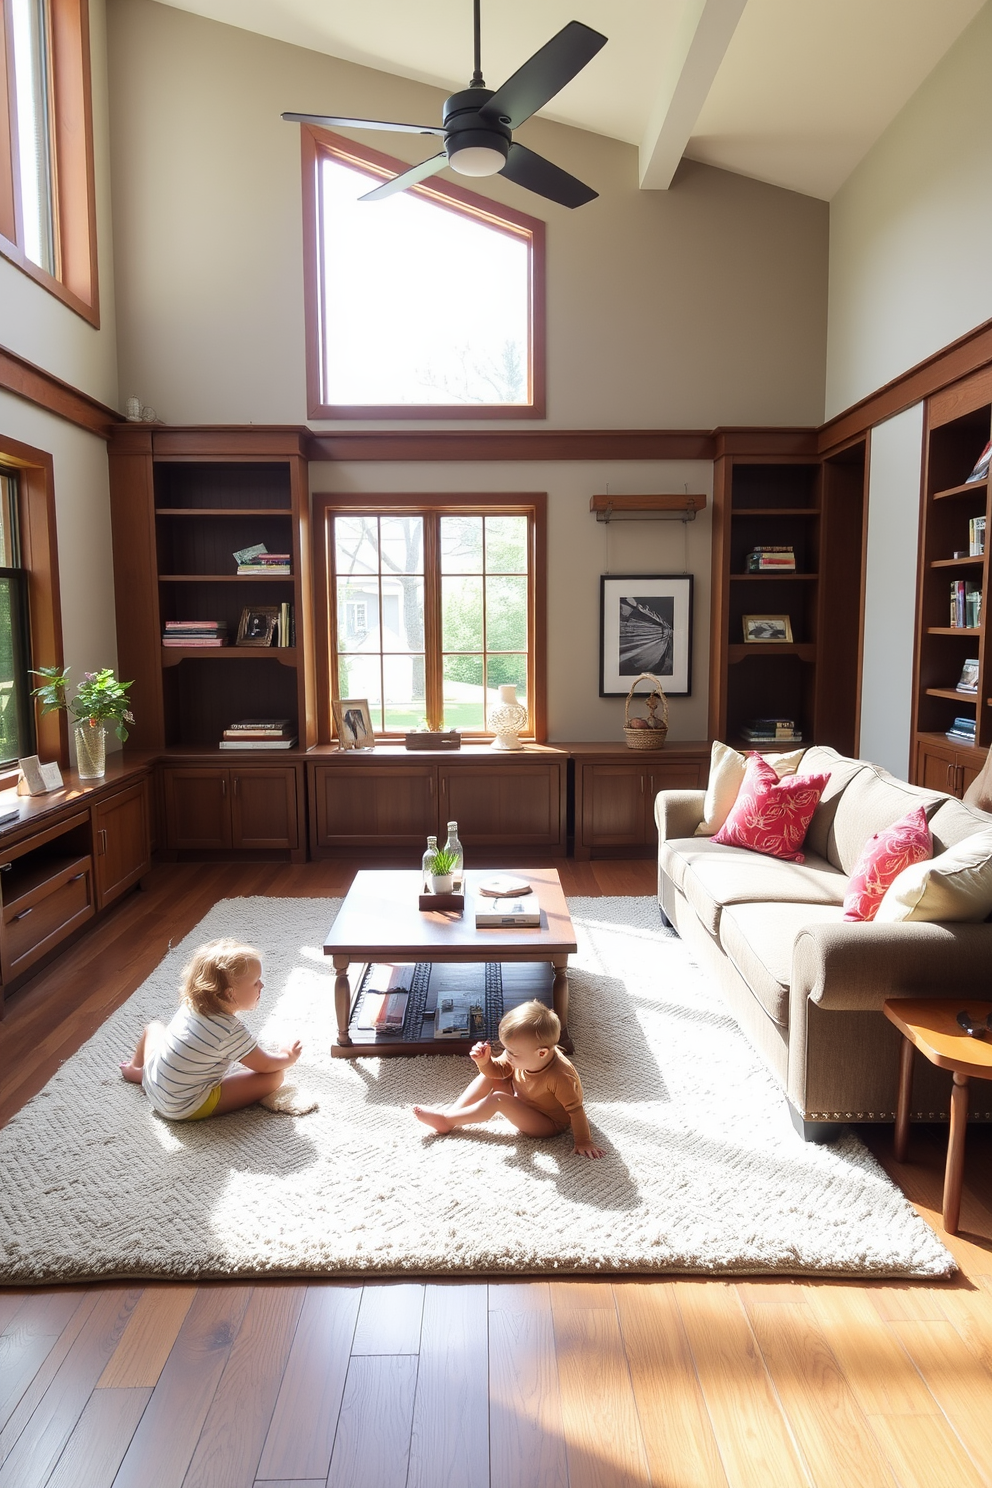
(930, 1025)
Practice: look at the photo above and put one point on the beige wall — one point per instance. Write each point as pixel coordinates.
(579, 550)
(910, 230)
(699, 306)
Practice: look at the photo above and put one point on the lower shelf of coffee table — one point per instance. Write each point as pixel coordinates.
(499, 986)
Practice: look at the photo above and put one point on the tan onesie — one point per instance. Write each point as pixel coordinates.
(556, 1090)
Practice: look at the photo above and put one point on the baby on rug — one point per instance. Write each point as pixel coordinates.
(184, 1068)
(533, 1085)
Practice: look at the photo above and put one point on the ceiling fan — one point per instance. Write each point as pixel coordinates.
(477, 124)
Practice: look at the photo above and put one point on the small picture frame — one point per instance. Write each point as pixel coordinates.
(38, 779)
(765, 629)
(353, 723)
(257, 626)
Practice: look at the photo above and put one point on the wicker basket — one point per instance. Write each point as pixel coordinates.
(647, 738)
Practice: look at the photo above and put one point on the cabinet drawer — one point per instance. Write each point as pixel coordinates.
(38, 920)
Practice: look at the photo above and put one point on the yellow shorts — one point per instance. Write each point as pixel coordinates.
(208, 1107)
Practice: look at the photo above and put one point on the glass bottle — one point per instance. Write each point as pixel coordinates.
(427, 861)
(454, 847)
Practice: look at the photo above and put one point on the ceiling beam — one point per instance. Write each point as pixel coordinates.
(700, 45)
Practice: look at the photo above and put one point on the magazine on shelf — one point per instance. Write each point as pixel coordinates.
(981, 466)
(968, 680)
(460, 1015)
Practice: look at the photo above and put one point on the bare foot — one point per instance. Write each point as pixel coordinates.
(132, 1073)
(441, 1123)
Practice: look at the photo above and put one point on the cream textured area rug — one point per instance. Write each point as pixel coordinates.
(704, 1172)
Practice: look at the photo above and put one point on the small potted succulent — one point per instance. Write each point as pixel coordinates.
(100, 699)
(440, 869)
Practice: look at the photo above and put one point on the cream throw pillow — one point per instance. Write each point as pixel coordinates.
(957, 885)
(726, 778)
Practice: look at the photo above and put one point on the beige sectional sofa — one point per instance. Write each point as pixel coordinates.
(806, 988)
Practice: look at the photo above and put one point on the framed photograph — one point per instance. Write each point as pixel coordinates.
(767, 628)
(257, 627)
(645, 625)
(353, 723)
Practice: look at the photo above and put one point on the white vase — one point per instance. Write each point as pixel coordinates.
(508, 719)
(441, 883)
(91, 751)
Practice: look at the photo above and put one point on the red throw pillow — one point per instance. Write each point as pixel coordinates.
(882, 859)
(772, 816)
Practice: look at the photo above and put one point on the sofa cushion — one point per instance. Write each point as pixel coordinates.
(872, 801)
(677, 854)
(822, 760)
(758, 939)
(882, 859)
(771, 815)
(726, 778)
(953, 821)
(957, 885)
(712, 880)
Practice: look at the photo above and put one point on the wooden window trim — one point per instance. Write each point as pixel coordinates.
(318, 144)
(76, 284)
(40, 559)
(532, 503)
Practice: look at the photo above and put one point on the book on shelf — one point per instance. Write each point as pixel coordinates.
(962, 729)
(958, 738)
(249, 570)
(980, 468)
(460, 1015)
(768, 560)
(771, 731)
(968, 680)
(248, 555)
(976, 537)
(259, 726)
(966, 604)
(383, 1012)
(245, 742)
(750, 737)
(204, 642)
(195, 633)
(515, 910)
(283, 629)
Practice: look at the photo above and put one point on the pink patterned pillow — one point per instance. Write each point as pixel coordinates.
(772, 816)
(882, 859)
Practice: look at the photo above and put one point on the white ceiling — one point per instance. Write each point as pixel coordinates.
(788, 91)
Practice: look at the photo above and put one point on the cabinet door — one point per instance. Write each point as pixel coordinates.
(121, 844)
(197, 807)
(616, 800)
(936, 768)
(360, 804)
(674, 776)
(512, 804)
(263, 808)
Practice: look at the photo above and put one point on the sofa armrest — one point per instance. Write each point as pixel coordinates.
(856, 967)
(678, 812)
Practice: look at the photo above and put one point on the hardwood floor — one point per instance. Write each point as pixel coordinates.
(684, 1383)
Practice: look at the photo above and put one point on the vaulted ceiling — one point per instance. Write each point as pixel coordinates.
(793, 92)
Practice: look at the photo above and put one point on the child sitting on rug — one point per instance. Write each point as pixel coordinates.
(184, 1068)
(533, 1084)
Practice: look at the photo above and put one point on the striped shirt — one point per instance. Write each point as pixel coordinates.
(195, 1054)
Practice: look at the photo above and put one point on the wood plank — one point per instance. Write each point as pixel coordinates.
(956, 1379)
(163, 1445)
(881, 1375)
(140, 1357)
(10, 1305)
(751, 1433)
(899, 1302)
(826, 1420)
(675, 1424)
(30, 1397)
(372, 1446)
(28, 1339)
(300, 1437)
(389, 1319)
(923, 1452)
(233, 1434)
(39, 1445)
(102, 1435)
(290, 1483)
(526, 1433)
(603, 1443)
(449, 1446)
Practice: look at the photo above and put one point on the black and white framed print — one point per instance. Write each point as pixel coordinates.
(645, 626)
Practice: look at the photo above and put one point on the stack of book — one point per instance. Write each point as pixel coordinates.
(966, 604)
(256, 560)
(771, 559)
(384, 1003)
(195, 633)
(515, 911)
(259, 733)
(772, 731)
(285, 626)
(962, 729)
(976, 537)
(968, 680)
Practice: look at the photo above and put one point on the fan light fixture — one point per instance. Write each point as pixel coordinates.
(477, 160)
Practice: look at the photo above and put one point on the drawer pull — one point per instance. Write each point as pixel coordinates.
(24, 913)
(77, 877)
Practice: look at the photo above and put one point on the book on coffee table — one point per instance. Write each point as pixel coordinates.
(516, 911)
(460, 1016)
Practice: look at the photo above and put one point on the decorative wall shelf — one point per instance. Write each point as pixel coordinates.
(681, 507)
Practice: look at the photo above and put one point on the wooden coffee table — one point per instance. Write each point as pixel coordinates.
(930, 1025)
(380, 921)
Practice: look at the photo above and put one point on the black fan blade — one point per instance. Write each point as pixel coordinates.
(547, 72)
(329, 121)
(538, 174)
(408, 178)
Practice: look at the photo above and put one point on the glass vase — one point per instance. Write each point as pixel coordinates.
(507, 719)
(91, 751)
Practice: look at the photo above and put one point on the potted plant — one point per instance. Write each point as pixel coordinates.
(99, 700)
(440, 868)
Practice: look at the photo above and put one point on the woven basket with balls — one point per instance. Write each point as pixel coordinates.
(649, 732)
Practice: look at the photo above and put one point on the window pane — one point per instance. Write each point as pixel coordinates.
(506, 545)
(33, 138)
(358, 615)
(506, 614)
(464, 695)
(508, 668)
(401, 542)
(402, 613)
(395, 332)
(461, 545)
(13, 708)
(461, 614)
(405, 698)
(361, 677)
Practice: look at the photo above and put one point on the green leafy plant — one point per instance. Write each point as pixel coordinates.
(99, 698)
(441, 864)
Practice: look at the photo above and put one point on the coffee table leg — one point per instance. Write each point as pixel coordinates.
(904, 1100)
(559, 999)
(954, 1173)
(342, 998)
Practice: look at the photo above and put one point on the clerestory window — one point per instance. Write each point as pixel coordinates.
(428, 304)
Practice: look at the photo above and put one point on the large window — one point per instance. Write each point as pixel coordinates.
(47, 221)
(426, 304)
(432, 606)
(16, 713)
